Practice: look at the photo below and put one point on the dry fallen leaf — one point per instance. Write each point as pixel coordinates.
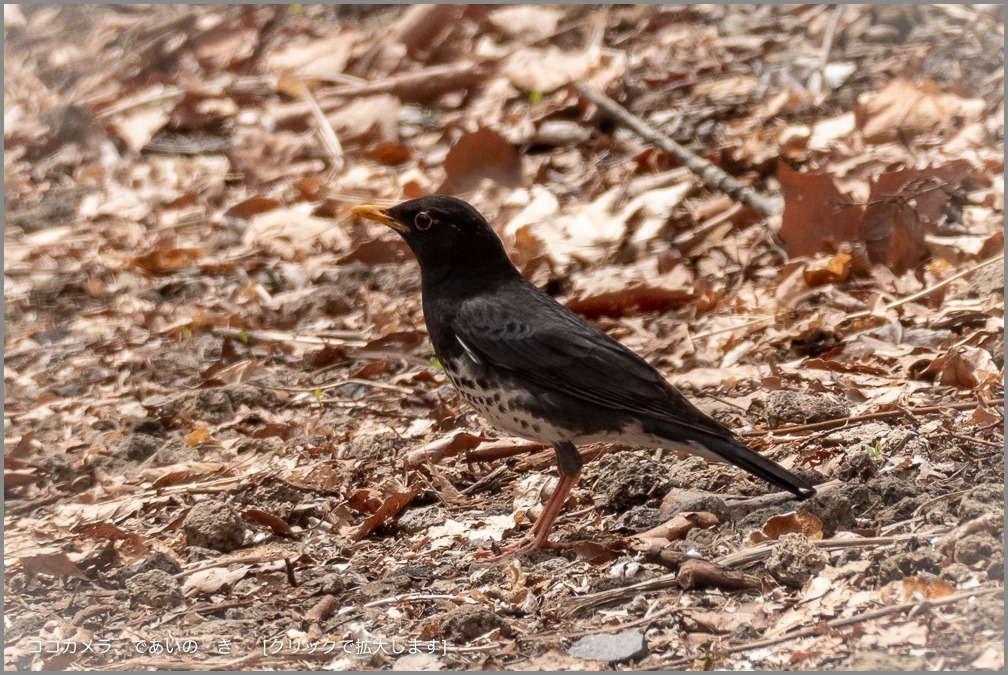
(904, 109)
(966, 367)
(53, 564)
(817, 216)
(928, 588)
(546, 69)
(830, 270)
(482, 154)
(801, 522)
(324, 57)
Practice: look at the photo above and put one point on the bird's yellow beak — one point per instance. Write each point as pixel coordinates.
(379, 214)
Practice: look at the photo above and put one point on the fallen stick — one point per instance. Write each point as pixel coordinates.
(867, 417)
(712, 176)
(867, 616)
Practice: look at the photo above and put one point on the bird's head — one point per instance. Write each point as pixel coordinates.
(445, 234)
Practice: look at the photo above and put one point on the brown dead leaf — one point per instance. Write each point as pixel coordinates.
(817, 216)
(479, 155)
(595, 553)
(165, 259)
(928, 588)
(389, 153)
(904, 206)
(455, 443)
(829, 270)
(384, 251)
(904, 109)
(391, 506)
(801, 522)
(680, 526)
(529, 22)
(325, 57)
(55, 564)
(966, 367)
(274, 523)
(138, 127)
(133, 543)
(214, 580)
(190, 472)
(285, 231)
(14, 478)
(547, 69)
(631, 291)
(368, 119)
(251, 206)
(423, 29)
(224, 46)
(198, 436)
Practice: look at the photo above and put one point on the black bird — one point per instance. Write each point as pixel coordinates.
(535, 369)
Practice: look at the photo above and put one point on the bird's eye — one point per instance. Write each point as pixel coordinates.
(423, 221)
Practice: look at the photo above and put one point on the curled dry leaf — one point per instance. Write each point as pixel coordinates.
(445, 446)
(904, 109)
(966, 367)
(831, 270)
(56, 564)
(680, 526)
(928, 588)
(325, 57)
(529, 22)
(165, 259)
(390, 507)
(274, 523)
(631, 292)
(801, 522)
(904, 206)
(547, 69)
(286, 231)
(422, 29)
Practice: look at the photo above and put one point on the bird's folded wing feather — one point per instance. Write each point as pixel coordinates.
(557, 350)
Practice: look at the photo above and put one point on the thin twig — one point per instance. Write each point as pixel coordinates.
(329, 138)
(929, 290)
(713, 177)
(278, 336)
(827, 46)
(868, 417)
(867, 616)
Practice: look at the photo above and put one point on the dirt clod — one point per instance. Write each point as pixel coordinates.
(984, 498)
(910, 563)
(155, 561)
(630, 479)
(833, 510)
(214, 524)
(794, 560)
(973, 548)
(858, 465)
(792, 407)
(464, 624)
(154, 588)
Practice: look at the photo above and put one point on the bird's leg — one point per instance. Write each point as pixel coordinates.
(569, 462)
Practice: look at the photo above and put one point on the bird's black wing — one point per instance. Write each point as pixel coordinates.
(544, 342)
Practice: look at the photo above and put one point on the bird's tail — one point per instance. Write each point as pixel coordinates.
(732, 451)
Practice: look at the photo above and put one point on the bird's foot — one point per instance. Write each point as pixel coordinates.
(505, 551)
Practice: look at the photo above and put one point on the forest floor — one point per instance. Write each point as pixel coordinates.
(228, 445)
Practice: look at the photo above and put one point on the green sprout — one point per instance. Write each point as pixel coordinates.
(535, 97)
(434, 361)
(318, 395)
(243, 336)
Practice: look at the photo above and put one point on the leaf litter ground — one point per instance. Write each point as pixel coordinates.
(228, 446)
